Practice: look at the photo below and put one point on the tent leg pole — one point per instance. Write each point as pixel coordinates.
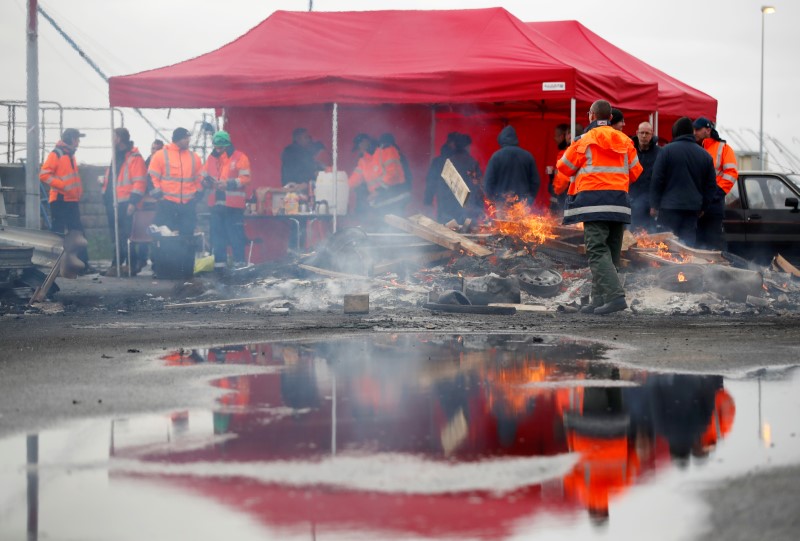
(335, 156)
(112, 185)
(655, 123)
(572, 107)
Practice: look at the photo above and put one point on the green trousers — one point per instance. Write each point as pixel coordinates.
(603, 246)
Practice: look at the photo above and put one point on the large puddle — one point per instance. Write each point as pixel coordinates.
(407, 436)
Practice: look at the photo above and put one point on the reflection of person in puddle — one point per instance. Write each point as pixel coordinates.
(298, 380)
(598, 429)
(683, 406)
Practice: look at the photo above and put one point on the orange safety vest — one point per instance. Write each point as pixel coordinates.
(131, 177)
(60, 173)
(382, 168)
(176, 174)
(724, 163)
(560, 180)
(234, 170)
(604, 163)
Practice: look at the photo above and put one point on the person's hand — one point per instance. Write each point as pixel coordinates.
(654, 213)
(131, 209)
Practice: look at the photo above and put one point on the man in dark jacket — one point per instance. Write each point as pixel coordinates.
(511, 171)
(683, 183)
(434, 181)
(298, 165)
(647, 149)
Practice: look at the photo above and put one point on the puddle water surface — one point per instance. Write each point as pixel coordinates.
(407, 436)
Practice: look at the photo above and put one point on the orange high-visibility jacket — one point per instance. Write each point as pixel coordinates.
(131, 177)
(604, 163)
(724, 163)
(176, 174)
(233, 168)
(382, 168)
(560, 180)
(60, 173)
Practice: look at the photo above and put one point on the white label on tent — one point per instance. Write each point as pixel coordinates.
(551, 87)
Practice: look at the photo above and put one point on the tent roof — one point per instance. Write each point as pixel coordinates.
(674, 97)
(374, 57)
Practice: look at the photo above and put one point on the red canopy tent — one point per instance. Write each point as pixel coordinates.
(675, 98)
(416, 74)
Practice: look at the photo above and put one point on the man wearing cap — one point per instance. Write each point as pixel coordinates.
(131, 186)
(709, 228)
(176, 173)
(227, 174)
(60, 173)
(604, 163)
(682, 185)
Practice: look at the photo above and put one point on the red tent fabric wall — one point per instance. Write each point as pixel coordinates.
(675, 98)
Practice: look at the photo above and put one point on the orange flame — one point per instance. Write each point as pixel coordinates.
(643, 240)
(516, 219)
(681, 277)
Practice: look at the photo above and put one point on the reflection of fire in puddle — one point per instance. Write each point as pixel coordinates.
(408, 436)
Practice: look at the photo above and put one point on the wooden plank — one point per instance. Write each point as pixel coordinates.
(785, 266)
(41, 291)
(715, 256)
(463, 242)
(422, 232)
(220, 302)
(470, 309)
(454, 181)
(377, 281)
(521, 307)
(419, 259)
(556, 244)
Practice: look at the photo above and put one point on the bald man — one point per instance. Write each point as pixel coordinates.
(646, 144)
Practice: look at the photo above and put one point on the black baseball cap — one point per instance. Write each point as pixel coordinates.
(70, 134)
(180, 133)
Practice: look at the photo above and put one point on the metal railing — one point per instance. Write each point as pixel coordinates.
(52, 117)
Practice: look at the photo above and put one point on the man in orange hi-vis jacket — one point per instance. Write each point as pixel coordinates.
(604, 163)
(227, 174)
(60, 174)
(131, 185)
(709, 226)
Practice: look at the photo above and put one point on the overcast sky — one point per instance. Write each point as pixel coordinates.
(712, 45)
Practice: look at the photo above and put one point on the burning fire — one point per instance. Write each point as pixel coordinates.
(643, 240)
(516, 219)
(681, 277)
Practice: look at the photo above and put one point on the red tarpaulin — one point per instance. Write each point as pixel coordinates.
(675, 99)
(376, 57)
(415, 74)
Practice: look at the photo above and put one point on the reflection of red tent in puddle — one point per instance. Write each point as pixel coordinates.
(444, 425)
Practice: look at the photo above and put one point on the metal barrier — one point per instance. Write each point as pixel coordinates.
(51, 123)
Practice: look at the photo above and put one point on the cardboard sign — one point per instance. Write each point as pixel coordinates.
(454, 181)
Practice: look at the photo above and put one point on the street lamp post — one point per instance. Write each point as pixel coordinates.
(765, 10)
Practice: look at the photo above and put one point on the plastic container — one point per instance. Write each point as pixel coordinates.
(324, 191)
(173, 257)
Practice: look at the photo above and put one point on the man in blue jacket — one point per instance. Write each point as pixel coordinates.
(683, 183)
(511, 171)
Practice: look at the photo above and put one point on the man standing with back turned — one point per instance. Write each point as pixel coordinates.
(604, 164)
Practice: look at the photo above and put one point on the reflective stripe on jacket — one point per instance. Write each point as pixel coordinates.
(604, 163)
(131, 177)
(234, 170)
(380, 169)
(176, 174)
(60, 173)
(724, 163)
